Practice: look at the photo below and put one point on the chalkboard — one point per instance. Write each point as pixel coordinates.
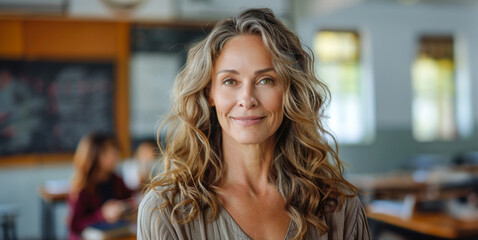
(47, 106)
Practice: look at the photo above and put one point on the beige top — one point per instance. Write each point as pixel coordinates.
(350, 222)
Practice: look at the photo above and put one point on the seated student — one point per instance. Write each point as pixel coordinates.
(138, 171)
(97, 194)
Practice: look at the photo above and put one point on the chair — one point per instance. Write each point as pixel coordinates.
(8, 213)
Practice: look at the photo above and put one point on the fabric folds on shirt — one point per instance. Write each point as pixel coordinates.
(349, 222)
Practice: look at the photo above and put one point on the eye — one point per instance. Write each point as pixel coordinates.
(266, 81)
(229, 82)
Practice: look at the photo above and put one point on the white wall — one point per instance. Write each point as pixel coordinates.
(19, 186)
(390, 32)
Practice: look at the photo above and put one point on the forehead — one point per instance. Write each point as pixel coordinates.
(243, 50)
(109, 145)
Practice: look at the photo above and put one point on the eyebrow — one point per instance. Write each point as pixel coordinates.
(256, 72)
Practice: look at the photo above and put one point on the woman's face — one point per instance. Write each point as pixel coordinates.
(108, 158)
(246, 91)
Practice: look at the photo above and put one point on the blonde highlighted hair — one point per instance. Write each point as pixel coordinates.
(306, 169)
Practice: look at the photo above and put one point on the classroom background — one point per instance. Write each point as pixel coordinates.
(403, 75)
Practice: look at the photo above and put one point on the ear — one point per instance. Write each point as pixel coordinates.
(211, 102)
(209, 98)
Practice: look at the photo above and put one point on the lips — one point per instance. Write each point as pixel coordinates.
(247, 120)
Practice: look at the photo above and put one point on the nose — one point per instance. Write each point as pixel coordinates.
(247, 98)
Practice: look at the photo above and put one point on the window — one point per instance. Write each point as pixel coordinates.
(434, 90)
(339, 66)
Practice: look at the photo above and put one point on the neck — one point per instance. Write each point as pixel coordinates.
(102, 176)
(248, 165)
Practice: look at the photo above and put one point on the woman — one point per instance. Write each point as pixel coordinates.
(247, 155)
(97, 194)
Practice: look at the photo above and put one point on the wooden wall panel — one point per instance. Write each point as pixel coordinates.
(11, 38)
(122, 88)
(83, 39)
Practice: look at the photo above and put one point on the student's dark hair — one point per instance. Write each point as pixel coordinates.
(86, 160)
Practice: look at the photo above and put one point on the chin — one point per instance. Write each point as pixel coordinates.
(249, 142)
(251, 139)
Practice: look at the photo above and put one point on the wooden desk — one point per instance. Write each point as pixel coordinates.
(431, 224)
(399, 185)
(432, 186)
(52, 197)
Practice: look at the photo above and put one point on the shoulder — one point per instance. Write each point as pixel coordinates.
(152, 200)
(352, 206)
(154, 222)
(349, 221)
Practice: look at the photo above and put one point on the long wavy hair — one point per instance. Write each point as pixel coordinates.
(306, 169)
(86, 161)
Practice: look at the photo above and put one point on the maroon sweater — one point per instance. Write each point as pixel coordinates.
(86, 209)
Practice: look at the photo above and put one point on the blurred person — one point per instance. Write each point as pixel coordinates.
(137, 171)
(247, 156)
(97, 194)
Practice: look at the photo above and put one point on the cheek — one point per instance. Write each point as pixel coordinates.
(223, 101)
(273, 102)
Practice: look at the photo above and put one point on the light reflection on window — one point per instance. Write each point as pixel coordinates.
(338, 65)
(434, 94)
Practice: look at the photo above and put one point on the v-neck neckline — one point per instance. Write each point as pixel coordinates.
(241, 231)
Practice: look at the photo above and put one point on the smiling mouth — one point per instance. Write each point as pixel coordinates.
(247, 121)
